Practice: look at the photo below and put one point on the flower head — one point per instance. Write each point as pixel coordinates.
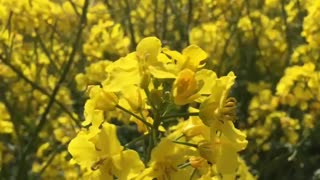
(216, 106)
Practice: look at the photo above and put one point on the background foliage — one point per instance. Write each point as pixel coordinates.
(50, 51)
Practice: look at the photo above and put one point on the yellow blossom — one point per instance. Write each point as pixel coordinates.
(185, 88)
(214, 108)
(164, 163)
(102, 155)
(148, 50)
(191, 57)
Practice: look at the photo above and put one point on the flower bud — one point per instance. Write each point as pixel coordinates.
(197, 162)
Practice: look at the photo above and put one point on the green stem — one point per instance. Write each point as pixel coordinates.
(153, 135)
(150, 146)
(179, 137)
(184, 165)
(186, 144)
(193, 173)
(134, 115)
(179, 115)
(134, 141)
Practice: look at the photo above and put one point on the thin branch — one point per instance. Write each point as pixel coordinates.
(251, 61)
(74, 8)
(76, 45)
(110, 9)
(186, 144)
(286, 28)
(130, 25)
(46, 51)
(233, 29)
(39, 88)
(53, 155)
(155, 13)
(189, 21)
(8, 26)
(32, 145)
(164, 20)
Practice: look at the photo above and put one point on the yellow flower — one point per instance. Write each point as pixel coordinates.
(293, 74)
(222, 153)
(122, 73)
(148, 50)
(185, 87)
(194, 126)
(100, 100)
(104, 100)
(91, 114)
(136, 98)
(6, 125)
(165, 158)
(149, 59)
(100, 152)
(138, 67)
(191, 57)
(207, 79)
(216, 107)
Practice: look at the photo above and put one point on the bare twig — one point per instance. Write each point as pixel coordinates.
(46, 51)
(164, 20)
(155, 17)
(233, 29)
(286, 29)
(130, 25)
(32, 145)
(52, 156)
(74, 8)
(189, 21)
(39, 88)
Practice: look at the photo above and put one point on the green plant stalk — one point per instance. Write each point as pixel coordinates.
(186, 144)
(179, 115)
(134, 115)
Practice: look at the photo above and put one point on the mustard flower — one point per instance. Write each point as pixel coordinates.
(138, 67)
(191, 57)
(148, 50)
(165, 158)
(217, 107)
(222, 153)
(100, 100)
(100, 153)
(136, 98)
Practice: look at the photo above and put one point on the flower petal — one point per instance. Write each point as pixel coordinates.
(83, 151)
(127, 165)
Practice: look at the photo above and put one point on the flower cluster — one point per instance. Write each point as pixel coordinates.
(161, 83)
